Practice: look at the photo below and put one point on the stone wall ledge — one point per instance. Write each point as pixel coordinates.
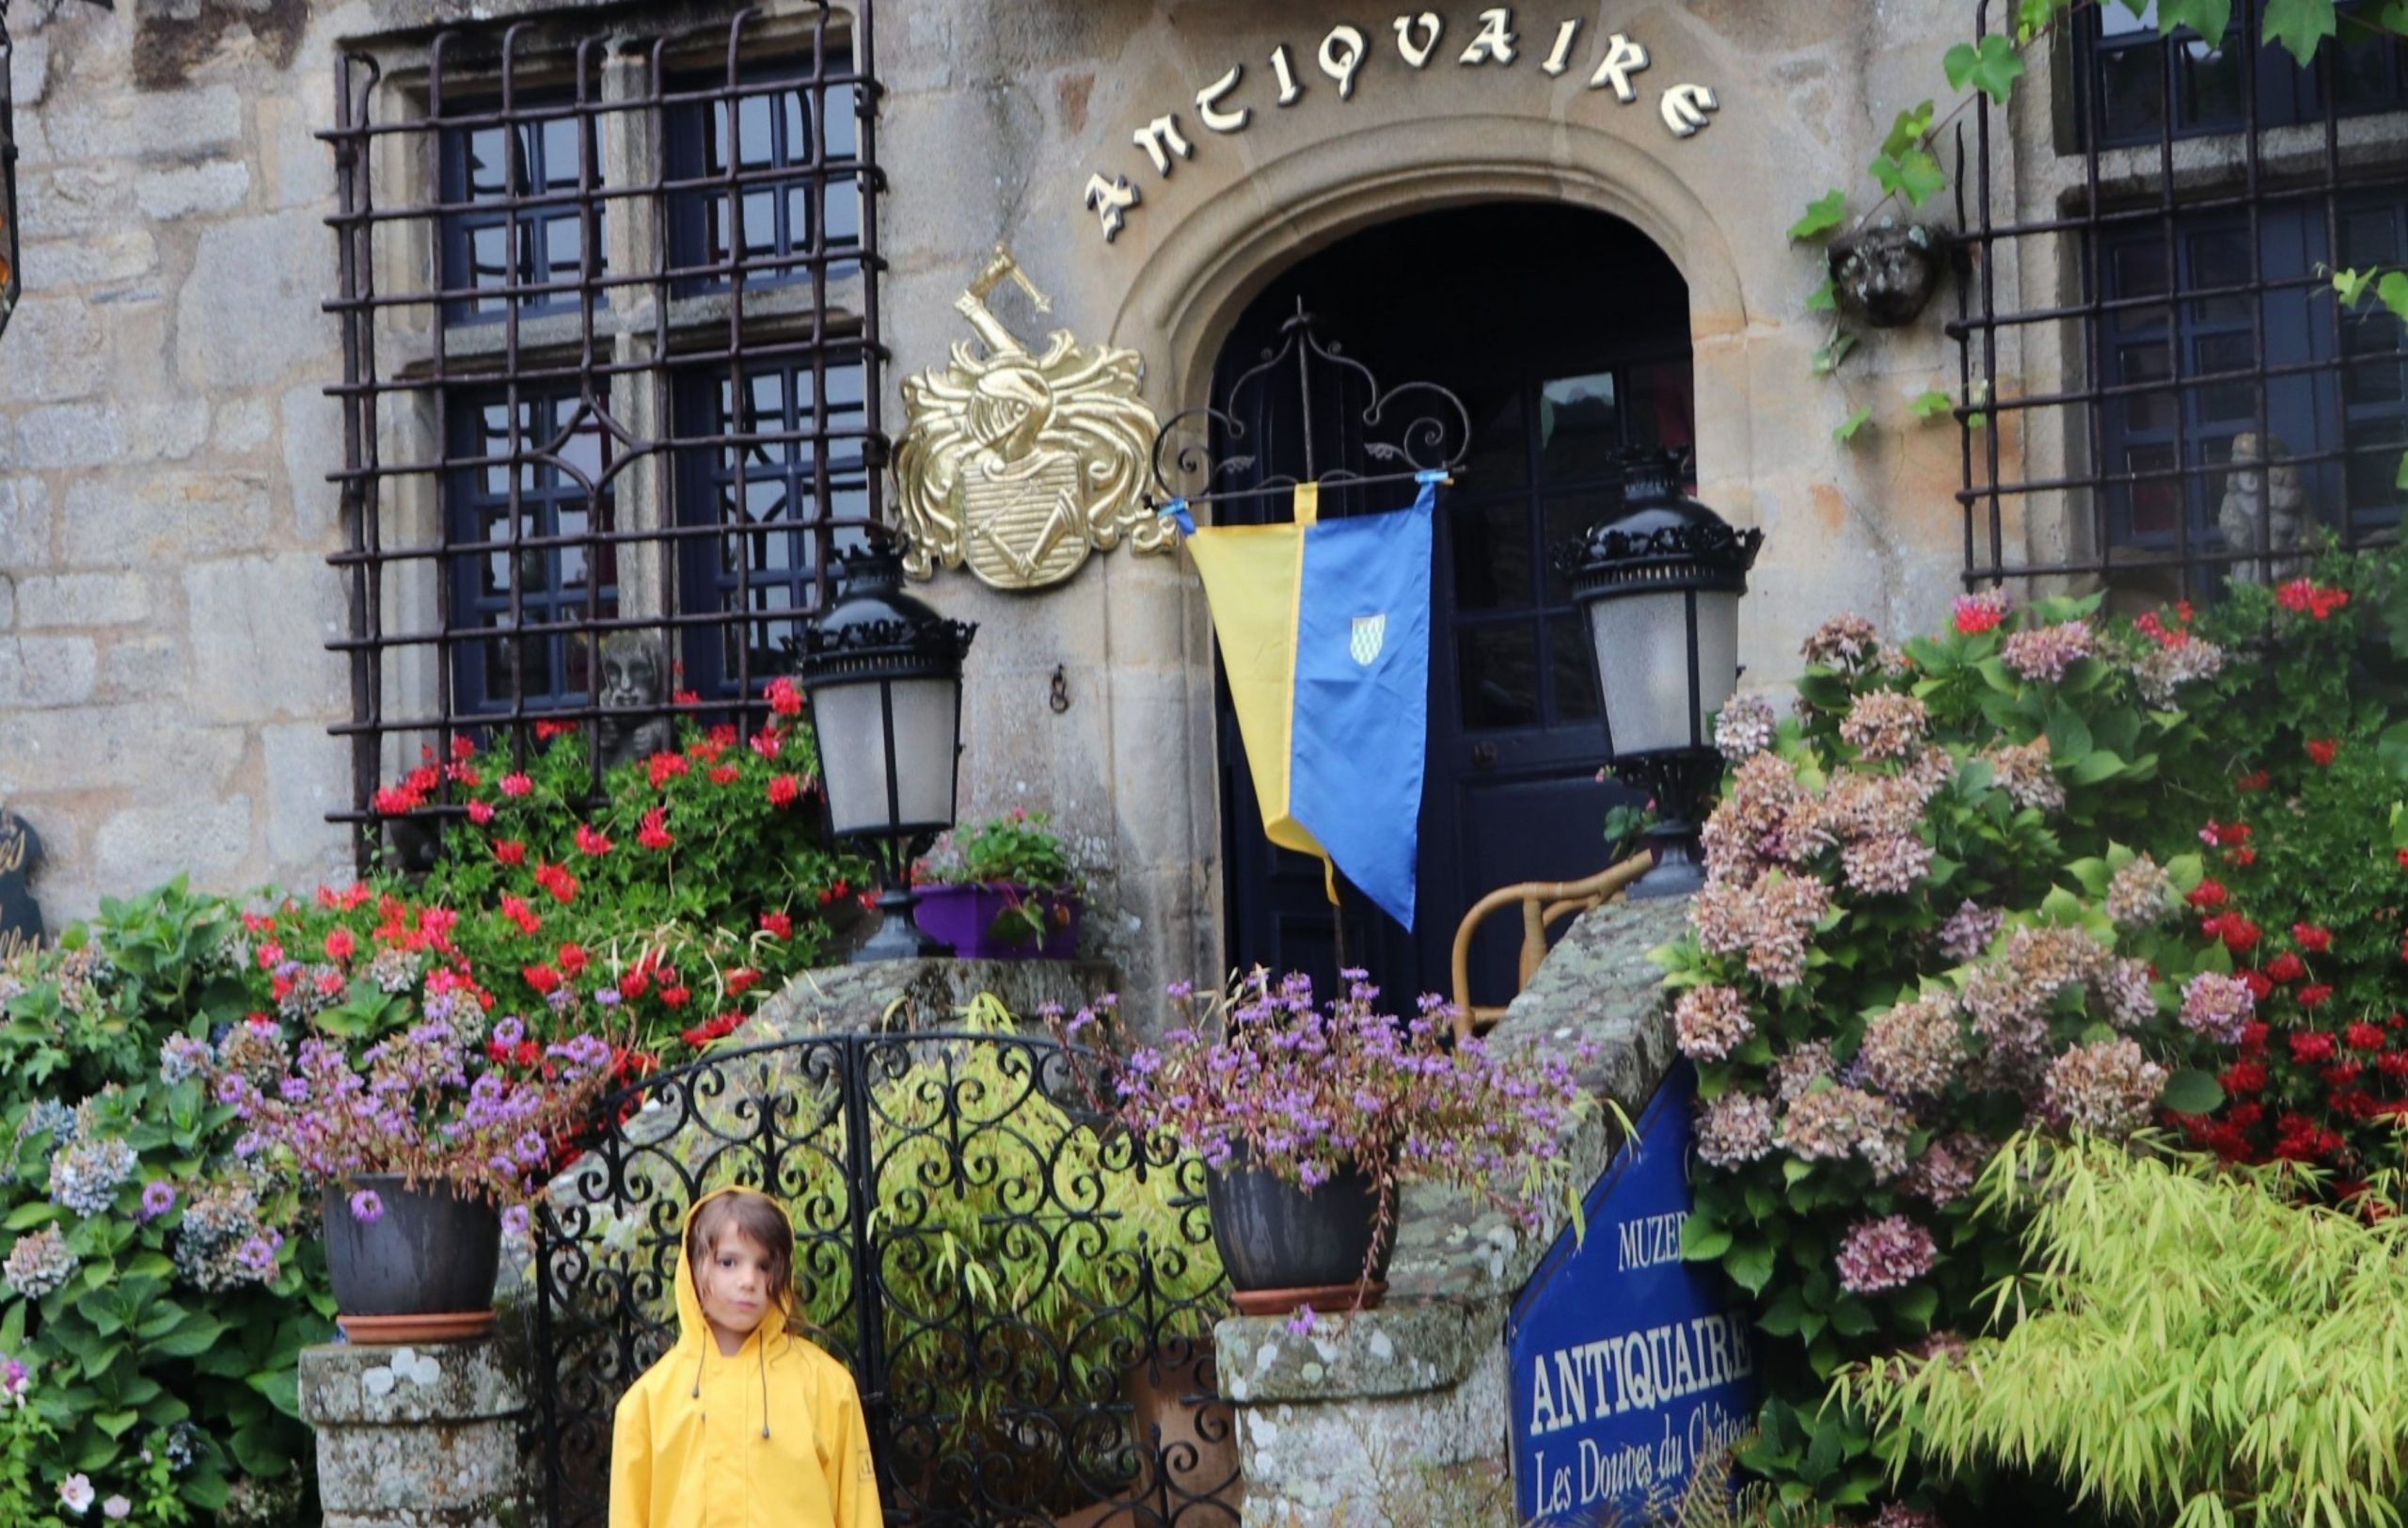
(368, 1385)
(1406, 1348)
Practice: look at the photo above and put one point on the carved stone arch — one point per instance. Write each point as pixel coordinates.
(1203, 260)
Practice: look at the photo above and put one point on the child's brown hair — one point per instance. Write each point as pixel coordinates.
(753, 1215)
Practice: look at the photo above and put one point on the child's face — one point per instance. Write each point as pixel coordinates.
(735, 1284)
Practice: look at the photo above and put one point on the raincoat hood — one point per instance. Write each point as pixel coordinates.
(771, 1435)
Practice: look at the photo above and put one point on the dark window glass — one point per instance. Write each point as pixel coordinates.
(754, 471)
(528, 497)
(2182, 400)
(2213, 79)
(519, 195)
(762, 176)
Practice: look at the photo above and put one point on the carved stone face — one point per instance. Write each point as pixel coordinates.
(631, 670)
(1886, 274)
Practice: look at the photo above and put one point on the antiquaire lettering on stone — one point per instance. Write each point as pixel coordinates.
(1017, 463)
(1420, 41)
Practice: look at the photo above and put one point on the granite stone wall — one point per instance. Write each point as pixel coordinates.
(165, 691)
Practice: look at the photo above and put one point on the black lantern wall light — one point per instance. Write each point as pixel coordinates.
(1659, 584)
(884, 674)
(10, 281)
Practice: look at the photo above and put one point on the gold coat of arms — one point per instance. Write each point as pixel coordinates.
(1017, 464)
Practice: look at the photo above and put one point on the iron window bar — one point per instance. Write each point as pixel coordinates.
(2071, 486)
(599, 335)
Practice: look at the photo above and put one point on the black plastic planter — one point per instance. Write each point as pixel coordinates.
(1284, 1247)
(421, 1271)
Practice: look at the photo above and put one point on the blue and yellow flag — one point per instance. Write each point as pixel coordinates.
(1325, 631)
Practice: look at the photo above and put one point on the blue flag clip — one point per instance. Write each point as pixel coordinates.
(1176, 512)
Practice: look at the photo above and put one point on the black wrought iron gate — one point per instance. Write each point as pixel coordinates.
(1025, 1299)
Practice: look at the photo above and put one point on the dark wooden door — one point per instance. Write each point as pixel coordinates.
(1566, 335)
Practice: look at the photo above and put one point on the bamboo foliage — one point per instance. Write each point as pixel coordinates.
(2193, 1348)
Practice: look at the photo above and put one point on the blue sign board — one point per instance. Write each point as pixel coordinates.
(1627, 1363)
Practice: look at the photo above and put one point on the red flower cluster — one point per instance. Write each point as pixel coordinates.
(2306, 597)
(702, 1034)
(2151, 625)
(652, 833)
(2320, 750)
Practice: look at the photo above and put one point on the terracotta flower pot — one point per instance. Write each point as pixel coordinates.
(423, 1270)
(985, 922)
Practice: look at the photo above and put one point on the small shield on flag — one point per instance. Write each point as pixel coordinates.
(1370, 631)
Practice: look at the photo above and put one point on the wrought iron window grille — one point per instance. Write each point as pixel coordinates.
(540, 302)
(2138, 317)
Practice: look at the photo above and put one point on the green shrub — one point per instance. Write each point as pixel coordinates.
(2192, 1346)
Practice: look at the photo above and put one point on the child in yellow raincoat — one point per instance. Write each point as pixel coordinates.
(743, 1423)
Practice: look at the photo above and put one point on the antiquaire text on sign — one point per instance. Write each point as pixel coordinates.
(1228, 104)
(1627, 1364)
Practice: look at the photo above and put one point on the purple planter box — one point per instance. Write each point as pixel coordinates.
(965, 917)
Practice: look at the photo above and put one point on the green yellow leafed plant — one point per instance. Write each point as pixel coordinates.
(2190, 1346)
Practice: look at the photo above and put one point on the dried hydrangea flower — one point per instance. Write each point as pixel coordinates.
(2107, 1087)
(1828, 1123)
(1844, 643)
(87, 1175)
(1888, 867)
(1743, 728)
(1888, 1254)
(1710, 1022)
(2163, 670)
(2141, 893)
(2025, 772)
(39, 1263)
(1948, 1168)
(1734, 1129)
(1968, 932)
(2043, 654)
(1766, 818)
(1886, 723)
(2126, 991)
(1913, 1050)
(1794, 1070)
(2216, 1006)
(1771, 922)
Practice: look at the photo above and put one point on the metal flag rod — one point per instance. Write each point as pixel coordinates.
(1409, 430)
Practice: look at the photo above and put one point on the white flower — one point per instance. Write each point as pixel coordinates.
(117, 1509)
(75, 1493)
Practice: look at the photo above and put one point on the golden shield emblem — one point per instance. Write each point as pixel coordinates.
(1018, 463)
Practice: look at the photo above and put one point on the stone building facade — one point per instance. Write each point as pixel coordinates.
(168, 440)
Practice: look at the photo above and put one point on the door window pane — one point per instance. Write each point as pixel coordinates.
(1574, 658)
(1492, 550)
(1497, 675)
(1579, 427)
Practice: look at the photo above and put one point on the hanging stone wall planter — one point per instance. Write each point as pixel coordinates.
(1883, 276)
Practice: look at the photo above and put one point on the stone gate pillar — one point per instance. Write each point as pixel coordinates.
(423, 1437)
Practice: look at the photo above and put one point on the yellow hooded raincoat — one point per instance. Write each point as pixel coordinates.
(771, 1438)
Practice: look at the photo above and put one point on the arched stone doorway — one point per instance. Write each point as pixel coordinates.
(1567, 334)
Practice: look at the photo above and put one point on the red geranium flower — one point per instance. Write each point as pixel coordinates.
(724, 774)
(674, 996)
(2254, 780)
(2210, 892)
(590, 841)
(574, 959)
(2259, 984)
(2314, 1046)
(547, 731)
(339, 944)
(765, 742)
(510, 850)
(2363, 1036)
(654, 831)
(2315, 997)
(2244, 1077)
(517, 784)
(777, 925)
(2312, 938)
(2320, 750)
(542, 977)
(783, 700)
(784, 790)
(515, 909)
(661, 768)
(481, 812)
(556, 880)
(2286, 967)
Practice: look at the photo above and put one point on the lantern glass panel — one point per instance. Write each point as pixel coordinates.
(1642, 643)
(853, 753)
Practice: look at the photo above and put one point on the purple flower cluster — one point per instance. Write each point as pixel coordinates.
(2216, 1006)
(427, 1103)
(1268, 1077)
